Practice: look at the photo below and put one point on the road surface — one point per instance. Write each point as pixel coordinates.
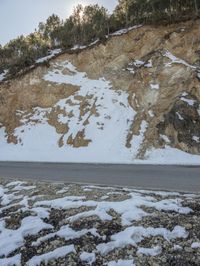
(177, 178)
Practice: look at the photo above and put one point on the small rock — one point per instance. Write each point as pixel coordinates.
(188, 226)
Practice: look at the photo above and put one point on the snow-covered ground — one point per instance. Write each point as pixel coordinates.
(126, 30)
(106, 110)
(176, 60)
(3, 75)
(52, 54)
(64, 224)
(102, 115)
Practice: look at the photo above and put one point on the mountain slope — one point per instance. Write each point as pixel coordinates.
(135, 98)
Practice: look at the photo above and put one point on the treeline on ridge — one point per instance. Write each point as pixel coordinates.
(89, 23)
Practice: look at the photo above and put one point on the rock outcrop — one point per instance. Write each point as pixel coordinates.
(158, 69)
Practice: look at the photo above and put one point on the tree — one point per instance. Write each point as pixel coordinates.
(95, 22)
(196, 7)
(86, 24)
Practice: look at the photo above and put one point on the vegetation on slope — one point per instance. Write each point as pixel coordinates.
(88, 24)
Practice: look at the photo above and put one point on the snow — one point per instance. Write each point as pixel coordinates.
(151, 114)
(124, 31)
(138, 139)
(176, 60)
(129, 210)
(154, 86)
(67, 233)
(138, 63)
(12, 261)
(57, 253)
(170, 155)
(165, 138)
(41, 212)
(188, 101)
(161, 193)
(179, 116)
(197, 139)
(105, 123)
(20, 187)
(177, 248)
(10, 240)
(15, 183)
(94, 42)
(88, 257)
(81, 47)
(63, 190)
(150, 251)
(131, 70)
(121, 263)
(195, 245)
(7, 198)
(112, 110)
(135, 234)
(3, 75)
(78, 47)
(149, 64)
(91, 187)
(51, 55)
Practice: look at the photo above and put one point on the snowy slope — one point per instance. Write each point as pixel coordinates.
(40, 140)
(104, 123)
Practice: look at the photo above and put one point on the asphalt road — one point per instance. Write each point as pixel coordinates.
(176, 178)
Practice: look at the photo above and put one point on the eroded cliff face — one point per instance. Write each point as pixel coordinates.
(149, 77)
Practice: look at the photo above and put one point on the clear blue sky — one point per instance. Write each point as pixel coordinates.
(23, 16)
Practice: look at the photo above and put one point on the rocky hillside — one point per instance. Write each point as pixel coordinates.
(134, 98)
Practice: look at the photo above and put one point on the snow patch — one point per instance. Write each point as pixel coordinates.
(81, 47)
(105, 143)
(151, 114)
(176, 60)
(138, 139)
(149, 64)
(12, 261)
(10, 240)
(121, 263)
(55, 254)
(170, 155)
(165, 138)
(134, 235)
(129, 210)
(107, 110)
(3, 75)
(88, 257)
(195, 245)
(177, 248)
(124, 31)
(188, 101)
(150, 251)
(138, 63)
(154, 86)
(197, 139)
(51, 55)
(179, 116)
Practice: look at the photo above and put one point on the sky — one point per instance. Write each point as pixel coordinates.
(19, 17)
